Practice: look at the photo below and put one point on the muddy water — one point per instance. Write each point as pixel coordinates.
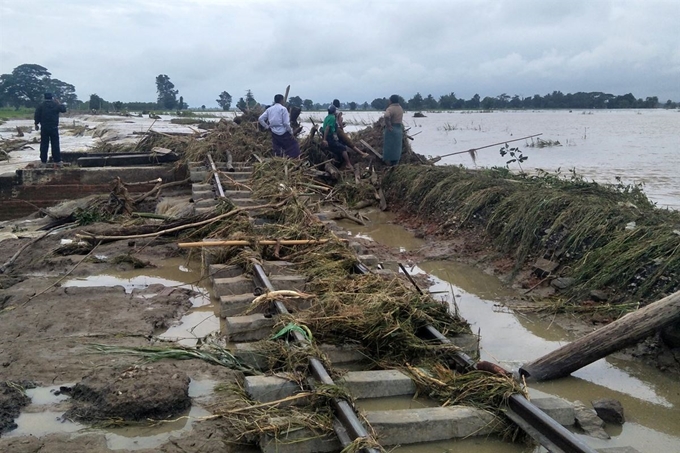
(651, 399)
(43, 416)
(201, 320)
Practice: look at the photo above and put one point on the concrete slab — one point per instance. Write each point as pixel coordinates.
(265, 389)
(233, 194)
(278, 267)
(224, 271)
(248, 328)
(299, 440)
(558, 409)
(378, 384)
(410, 426)
(202, 195)
(205, 203)
(249, 354)
(233, 285)
(289, 282)
(342, 355)
(235, 305)
(369, 260)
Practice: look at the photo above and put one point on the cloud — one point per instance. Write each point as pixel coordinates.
(355, 50)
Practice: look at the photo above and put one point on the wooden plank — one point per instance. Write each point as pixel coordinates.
(365, 143)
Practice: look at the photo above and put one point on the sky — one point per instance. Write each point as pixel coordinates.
(346, 49)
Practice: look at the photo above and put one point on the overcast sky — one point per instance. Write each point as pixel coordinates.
(352, 50)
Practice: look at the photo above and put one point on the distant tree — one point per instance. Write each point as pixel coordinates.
(380, 103)
(365, 106)
(295, 101)
(416, 102)
(250, 99)
(224, 100)
(203, 107)
(651, 102)
(167, 94)
(488, 103)
(241, 105)
(96, 103)
(473, 102)
(24, 86)
(515, 102)
(117, 106)
(308, 104)
(352, 106)
(430, 102)
(181, 105)
(447, 101)
(65, 92)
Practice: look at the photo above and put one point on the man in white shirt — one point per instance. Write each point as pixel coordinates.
(277, 120)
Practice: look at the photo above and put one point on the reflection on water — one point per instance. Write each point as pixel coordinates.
(198, 322)
(651, 399)
(34, 421)
(380, 229)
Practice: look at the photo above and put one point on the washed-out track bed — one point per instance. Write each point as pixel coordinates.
(247, 326)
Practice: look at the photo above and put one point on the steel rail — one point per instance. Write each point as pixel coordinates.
(349, 427)
(218, 184)
(536, 423)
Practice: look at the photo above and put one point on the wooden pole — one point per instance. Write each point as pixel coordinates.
(234, 243)
(472, 150)
(621, 333)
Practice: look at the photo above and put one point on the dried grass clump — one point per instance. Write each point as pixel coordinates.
(606, 236)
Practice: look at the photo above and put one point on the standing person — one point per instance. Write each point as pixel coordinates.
(277, 120)
(342, 135)
(329, 129)
(394, 131)
(46, 120)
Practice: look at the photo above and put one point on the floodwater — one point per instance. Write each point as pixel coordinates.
(639, 146)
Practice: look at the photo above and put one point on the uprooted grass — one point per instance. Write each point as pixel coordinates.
(605, 236)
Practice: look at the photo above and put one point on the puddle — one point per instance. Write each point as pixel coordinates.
(35, 422)
(44, 396)
(140, 437)
(198, 322)
(380, 229)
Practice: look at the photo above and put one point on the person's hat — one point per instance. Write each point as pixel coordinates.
(48, 95)
(332, 109)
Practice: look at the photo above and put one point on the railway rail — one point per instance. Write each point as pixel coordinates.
(347, 425)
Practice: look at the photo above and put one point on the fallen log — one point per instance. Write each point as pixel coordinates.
(621, 333)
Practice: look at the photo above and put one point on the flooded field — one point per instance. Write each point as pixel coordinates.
(639, 146)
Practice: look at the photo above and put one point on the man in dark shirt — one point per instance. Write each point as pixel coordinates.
(46, 120)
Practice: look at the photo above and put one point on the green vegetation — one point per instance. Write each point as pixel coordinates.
(608, 237)
(7, 114)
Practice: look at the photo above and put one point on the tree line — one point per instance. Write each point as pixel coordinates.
(26, 84)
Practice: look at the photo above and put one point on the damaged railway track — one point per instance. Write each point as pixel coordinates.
(246, 281)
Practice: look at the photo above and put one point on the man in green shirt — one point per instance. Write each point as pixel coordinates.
(329, 131)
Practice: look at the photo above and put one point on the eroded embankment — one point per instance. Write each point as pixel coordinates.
(604, 240)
